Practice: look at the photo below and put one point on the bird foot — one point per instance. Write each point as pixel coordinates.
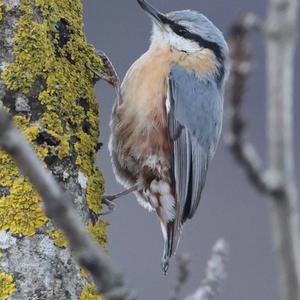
(110, 75)
(107, 200)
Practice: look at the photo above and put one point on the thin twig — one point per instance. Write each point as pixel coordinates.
(58, 206)
(214, 275)
(244, 151)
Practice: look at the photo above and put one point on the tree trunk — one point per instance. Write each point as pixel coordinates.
(46, 86)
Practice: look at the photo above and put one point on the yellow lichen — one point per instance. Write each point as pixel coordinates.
(85, 149)
(84, 273)
(89, 293)
(1, 10)
(69, 9)
(20, 211)
(66, 75)
(8, 170)
(64, 70)
(95, 191)
(1, 254)
(30, 38)
(21, 121)
(53, 124)
(7, 286)
(58, 237)
(98, 232)
(51, 121)
(57, 63)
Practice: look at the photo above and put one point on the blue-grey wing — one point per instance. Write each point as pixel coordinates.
(195, 113)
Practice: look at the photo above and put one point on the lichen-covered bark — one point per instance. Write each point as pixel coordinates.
(45, 85)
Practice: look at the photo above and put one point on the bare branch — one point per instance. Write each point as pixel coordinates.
(214, 275)
(58, 206)
(278, 181)
(183, 275)
(243, 151)
(280, 38)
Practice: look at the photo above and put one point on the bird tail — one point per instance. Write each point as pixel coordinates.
(171, 233)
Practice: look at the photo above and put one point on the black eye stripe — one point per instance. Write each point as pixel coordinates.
(182, 31)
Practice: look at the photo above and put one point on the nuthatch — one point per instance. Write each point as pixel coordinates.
(167, 122)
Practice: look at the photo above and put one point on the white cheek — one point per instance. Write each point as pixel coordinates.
(181, 44)
(167, 38)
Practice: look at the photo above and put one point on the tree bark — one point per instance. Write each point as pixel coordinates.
(46, 86)
(281, 31)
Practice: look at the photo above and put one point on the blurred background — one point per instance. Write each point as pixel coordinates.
(230, 207)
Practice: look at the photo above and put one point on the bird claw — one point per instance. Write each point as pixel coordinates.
(110, 75)
(108, 201)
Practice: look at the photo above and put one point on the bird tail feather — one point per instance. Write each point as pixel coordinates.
(171, 234)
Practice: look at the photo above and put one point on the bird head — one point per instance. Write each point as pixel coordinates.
(186, 31)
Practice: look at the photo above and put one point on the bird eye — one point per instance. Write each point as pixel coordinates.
(182, 31)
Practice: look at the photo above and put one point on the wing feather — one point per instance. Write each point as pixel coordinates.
(194, 123)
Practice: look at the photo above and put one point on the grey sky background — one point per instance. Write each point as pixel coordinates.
(230, 207)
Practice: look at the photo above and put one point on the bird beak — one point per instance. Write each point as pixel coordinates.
(157, 16)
